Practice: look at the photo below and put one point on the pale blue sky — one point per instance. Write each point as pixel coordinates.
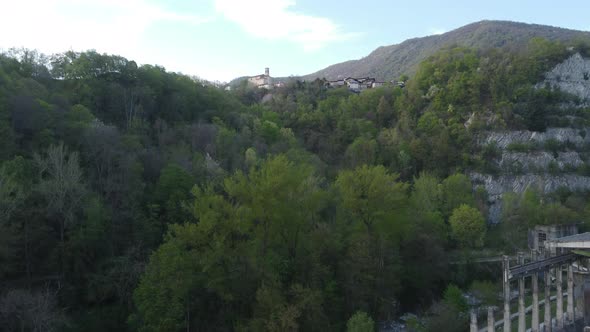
(223, 39)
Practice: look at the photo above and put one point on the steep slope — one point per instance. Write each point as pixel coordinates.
(389, 62)
(546, 161)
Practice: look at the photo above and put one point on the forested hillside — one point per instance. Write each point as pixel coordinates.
(135, 199)
(392, 61)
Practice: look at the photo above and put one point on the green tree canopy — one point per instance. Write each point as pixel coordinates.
(360, 322)
(468, 226)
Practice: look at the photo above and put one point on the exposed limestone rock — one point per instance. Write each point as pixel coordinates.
(562, 135)
(572, 76)
(535, 167)
(497, 186)
(487, 119)
(538, 160)
(519, 183)
(522, 170)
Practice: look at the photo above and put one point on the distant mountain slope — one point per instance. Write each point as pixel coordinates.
(389, 62)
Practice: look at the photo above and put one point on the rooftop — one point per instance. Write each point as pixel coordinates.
(573, 238)
(578, 241)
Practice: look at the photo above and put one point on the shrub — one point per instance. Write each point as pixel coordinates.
(583, 170)
(553, 167)
(552, 145)
(453, 296)
(491, 151)
(519, 147)
(360, 322)
(486, 291)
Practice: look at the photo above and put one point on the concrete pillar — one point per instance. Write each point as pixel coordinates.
(535, 286)
(570, 293)
(491, 322)
(506, 284)
(547, 305)
(473, 325)
(559, 298)
(521, 307)
(586, 296)
(579, 285)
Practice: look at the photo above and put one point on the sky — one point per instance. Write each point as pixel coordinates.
(224, 39)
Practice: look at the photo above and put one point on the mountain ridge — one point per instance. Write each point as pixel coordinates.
(390, 62)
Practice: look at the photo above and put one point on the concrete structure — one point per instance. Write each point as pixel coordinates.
(521, 308)
(506, 289)
(578, 241)
(491, 325)
(547, 308)
(540, 234)
(570, 294)
(554, 258)
(559, 298)
(535, 289)
(559, 322)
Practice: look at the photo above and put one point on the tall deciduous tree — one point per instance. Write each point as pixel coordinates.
(372, 205)
(61, 184)
(384, 113)
(371, 195)
(468, 226)
(280, 199)
(456, 190)
(172, 190)
(248, 242)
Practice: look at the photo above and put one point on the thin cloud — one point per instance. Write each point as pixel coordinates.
(112, 26)
(275, 20)
(436, 31)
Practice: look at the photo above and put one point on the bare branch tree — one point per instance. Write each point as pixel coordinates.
(60, 182)
(23, 310)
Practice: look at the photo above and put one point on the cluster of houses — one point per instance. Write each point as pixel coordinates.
(356, 84)
(353, 83)
(360, 84)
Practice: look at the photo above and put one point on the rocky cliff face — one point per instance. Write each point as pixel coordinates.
(544, 183)
(546, 160)
(530, 162)
(503, 139)
(572, 76)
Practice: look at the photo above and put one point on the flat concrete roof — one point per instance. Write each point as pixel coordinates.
(581, 241)
(571, 238)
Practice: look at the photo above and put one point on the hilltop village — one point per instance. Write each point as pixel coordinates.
(355, 84)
